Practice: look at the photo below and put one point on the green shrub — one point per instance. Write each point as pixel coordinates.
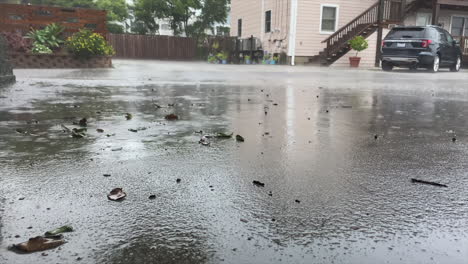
(40, 49)
(50, 36)
(222, 56)
(358, 44)
(211, 59)
(86, 44)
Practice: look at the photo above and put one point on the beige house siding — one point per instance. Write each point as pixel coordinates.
(253, 22)
(309, 38)
(276, 41)
(249, 11)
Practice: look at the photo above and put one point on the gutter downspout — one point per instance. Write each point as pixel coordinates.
(292, 32)
(262, 21)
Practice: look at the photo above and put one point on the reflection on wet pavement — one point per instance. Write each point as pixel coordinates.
(343, 143)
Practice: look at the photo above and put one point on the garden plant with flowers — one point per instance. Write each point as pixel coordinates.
(86, 44)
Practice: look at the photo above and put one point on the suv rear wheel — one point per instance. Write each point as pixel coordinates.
(456, 67)
(386, 66)
(435, 65)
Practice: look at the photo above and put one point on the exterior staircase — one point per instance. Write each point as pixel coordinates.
(367, 23)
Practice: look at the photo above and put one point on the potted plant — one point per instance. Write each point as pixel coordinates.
(266, 59)
(358, 44)
(274, 60)
(248, 59)
(211, 59)
(224, 57)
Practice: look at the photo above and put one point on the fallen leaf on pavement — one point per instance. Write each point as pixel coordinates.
(37, 244)
(59, 230)
(116, 194)
(204, 141)
(172, 117)
(224, 135)
(83, 122)
(259, 183)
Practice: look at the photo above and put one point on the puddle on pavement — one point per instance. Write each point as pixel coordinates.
(312, 144)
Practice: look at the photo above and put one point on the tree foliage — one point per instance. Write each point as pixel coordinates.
(117, 10)
(191, 17)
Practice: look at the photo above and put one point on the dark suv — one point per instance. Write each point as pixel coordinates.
(428, 47)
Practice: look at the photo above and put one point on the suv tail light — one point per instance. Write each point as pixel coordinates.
(425, 43)
(383, 43)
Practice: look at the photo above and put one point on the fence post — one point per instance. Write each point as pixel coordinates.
(168, 48)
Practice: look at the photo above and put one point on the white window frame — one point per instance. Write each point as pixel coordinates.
(336, 21)
(451, 21)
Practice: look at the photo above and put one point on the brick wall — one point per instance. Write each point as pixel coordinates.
(48, 61)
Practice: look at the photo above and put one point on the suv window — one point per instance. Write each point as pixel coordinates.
(449, 37)
(442, 36)
(432, 33)
(398, 33)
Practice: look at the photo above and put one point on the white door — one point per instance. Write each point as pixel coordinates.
(423, 19)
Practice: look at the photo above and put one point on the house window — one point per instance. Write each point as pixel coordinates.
(268, 21)
(328, 18)
(459, 26)
(165, 27)
(239, 28)
(423, 19)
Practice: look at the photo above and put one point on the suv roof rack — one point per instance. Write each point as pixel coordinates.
(428, 26)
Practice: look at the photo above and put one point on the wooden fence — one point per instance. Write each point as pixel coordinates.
(153, 47)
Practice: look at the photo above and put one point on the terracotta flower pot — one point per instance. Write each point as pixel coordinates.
(354, 62)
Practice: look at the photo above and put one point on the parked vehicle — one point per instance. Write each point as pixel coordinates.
(413, 47)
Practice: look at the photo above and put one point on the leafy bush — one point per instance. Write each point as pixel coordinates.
(50, 36)
(40, 49)
(85, 44)
(211, 59)
(358, 44)
(222, 56)
(16, 42)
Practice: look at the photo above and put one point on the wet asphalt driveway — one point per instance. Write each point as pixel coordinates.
(344, 144)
